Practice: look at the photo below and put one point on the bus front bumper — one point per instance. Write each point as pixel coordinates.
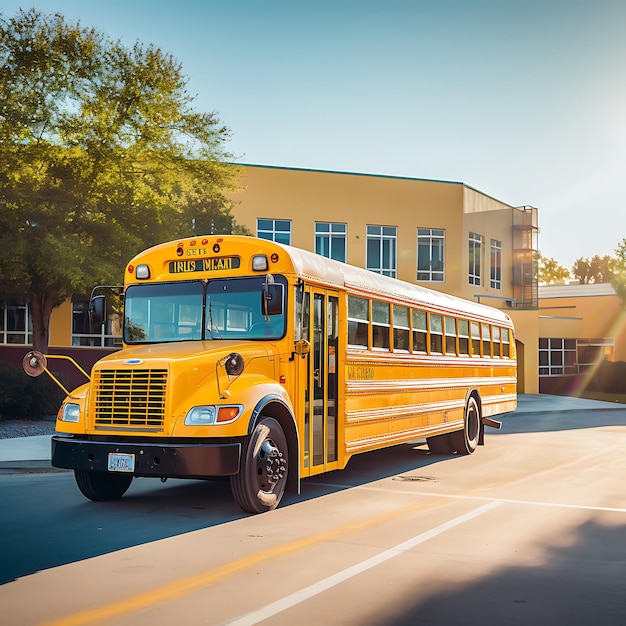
(171, 460)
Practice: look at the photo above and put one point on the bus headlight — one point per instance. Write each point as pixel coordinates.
(70, 413)
(211, 414)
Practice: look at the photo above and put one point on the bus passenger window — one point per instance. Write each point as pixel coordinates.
(475, 332)
(436, 333)
(506, 343)
(401, 329)
(419, 330)
(380, 325)
(358, 321)
(450, 328)
(463, 337)
(486, 335)
(496, 341)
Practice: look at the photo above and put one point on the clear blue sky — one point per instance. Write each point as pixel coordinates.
(524, 100)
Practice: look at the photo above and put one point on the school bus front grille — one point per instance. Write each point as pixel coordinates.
(130, 398)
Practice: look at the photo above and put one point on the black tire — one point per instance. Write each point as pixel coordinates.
(102, 486)
(461, 441)
(466, 441)
(440, 444)
(260, 484)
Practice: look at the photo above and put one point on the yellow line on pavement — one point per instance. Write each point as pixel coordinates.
(186, 586)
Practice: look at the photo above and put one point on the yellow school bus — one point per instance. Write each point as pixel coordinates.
(246, 358)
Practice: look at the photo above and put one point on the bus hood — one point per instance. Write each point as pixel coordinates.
(162, 354)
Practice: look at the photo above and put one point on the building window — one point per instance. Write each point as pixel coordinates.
(330, 240)
(381, 250)
(430, 254)
(568, 357)
(274, 230)
(475, 252)
(496, 264)
(108, 335)
(557, 357)
(15, 324)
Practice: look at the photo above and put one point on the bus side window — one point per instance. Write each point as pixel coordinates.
(358, 321)
(475, 333)
(506, 343)
(380, 325)
(486, 337)
(401, 329)
(463, 337)
(450, 328)
(436, 333)
(496, 341)
(419, 330)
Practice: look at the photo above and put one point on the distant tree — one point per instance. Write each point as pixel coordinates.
(619, 275)
(595, 270)
(101, 155)
(551, 271)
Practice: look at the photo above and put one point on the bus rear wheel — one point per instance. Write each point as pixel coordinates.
(102, 486)
(461, 441)
(260, 484)
(466, 441)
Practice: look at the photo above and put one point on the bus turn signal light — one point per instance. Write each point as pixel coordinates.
(227, 413)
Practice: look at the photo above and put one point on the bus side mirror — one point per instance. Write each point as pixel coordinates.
(97, 311)
(272, 299)
(302, 347)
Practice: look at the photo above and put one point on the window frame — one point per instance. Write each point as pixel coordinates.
(273, 233)
(386, 251)
(496, 264)
(426, 239)
(475, 259)
(335, 237)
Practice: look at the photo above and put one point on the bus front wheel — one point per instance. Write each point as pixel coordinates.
(262, 478)
(102, 486)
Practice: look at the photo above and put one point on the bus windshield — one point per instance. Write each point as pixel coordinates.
(193, 311)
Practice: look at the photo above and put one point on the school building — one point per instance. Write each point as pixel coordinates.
(443, 235)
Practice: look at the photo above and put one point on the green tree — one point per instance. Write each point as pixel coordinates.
(595, 270)
(551, 271)
(619, 275)
(101, 155)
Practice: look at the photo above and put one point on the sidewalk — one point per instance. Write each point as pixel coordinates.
(33, 453)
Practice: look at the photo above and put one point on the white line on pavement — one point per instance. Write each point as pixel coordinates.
(287, 602)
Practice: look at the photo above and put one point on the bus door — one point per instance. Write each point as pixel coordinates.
(318, 388)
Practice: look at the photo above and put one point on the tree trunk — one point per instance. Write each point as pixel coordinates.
(40, 309)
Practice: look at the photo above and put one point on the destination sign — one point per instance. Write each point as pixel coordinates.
(205, 265)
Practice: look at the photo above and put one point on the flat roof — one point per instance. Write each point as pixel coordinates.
(575, 290)
(366, 175)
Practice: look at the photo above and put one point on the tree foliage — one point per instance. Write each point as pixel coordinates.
(101, 155)
(595, 270)
(618, 281)
(551, 272)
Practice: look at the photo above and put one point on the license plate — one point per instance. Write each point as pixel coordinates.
(119, 462)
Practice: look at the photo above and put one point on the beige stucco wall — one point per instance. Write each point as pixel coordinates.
(585, 317)
(305, 197)
(527, 333)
